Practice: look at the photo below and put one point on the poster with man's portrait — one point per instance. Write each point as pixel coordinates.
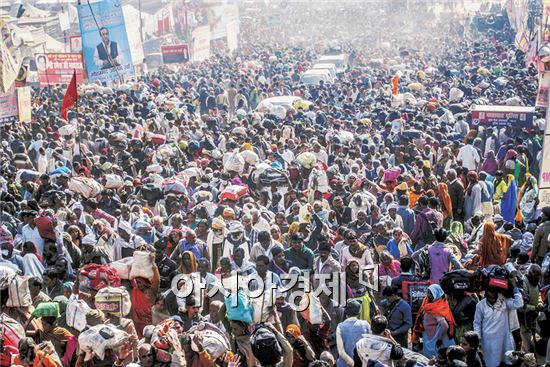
(105, 43)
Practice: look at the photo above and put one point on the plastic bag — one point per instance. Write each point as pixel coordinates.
(306, 160)
(75, 314)
(173, 186)
(11, 331)
(234, 162)
(113, 181)
(85, 186)
(95, 276)
(233, 192)
(18, 292)
(96, 339)
(238, 308)
(391, 174)
(7, 273)
(346, 137)
(113, 300)
(455, 95)
(250, 157)
(123, 267)
(143, 265)
(214, 340)
(313, 312)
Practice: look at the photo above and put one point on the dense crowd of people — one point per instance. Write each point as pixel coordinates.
(179, 219)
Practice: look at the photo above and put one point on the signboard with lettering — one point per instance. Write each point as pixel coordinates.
(58, 68)
(542, 93)
(414, 293)
(544, 179)
(8, 106)
(502, 116)
(174, 54)
(24, 106)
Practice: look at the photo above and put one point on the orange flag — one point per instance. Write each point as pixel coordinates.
(395, 84)
(70, 98)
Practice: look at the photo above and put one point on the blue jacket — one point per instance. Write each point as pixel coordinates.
(408, 216)
(399, 317)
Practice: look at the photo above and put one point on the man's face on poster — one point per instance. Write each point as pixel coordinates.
(104, 33)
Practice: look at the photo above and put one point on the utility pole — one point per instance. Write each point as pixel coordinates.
(140, 23)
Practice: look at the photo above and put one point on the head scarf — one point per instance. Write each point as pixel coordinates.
(511, 154)
(508, 204)
(183, 269)
(493, 247)
(6, 238)
(436, 291)
(472, 180)
(218, 223)
(293, 330)
(293, 228)
(438, 307)
(490, 164)
(443, 190)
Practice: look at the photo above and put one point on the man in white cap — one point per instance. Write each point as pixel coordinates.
(126, 243)
(392, 218)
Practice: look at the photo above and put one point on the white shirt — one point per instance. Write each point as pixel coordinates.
(346, 257)
(321, 156)
(288, 156)
(469, 157)
(32, 235)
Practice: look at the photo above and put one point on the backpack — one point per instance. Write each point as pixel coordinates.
(151, 192)
(495, 277)
(265, 346)
(457, 281)
(424, 269)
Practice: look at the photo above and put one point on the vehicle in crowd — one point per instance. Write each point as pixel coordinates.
(154, 61)
(340, 61)
(284, 101)
(325, 66)
(315, 76)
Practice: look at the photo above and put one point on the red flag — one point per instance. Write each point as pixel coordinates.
(70, 98)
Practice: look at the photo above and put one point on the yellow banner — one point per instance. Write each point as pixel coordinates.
(24, 105)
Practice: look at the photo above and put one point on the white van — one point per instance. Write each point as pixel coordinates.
(340, 61)
(313, 77)
(322, 66)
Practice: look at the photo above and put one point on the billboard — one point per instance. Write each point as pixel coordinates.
(58, 68)
(75, 43)
(24, 104)
(544, 179)
(131, 15)
(8, 106)
(10, 62)
(104, 40)
(542, 94)
(219, 17)
(201, 43)
(172, 54)
(233, 35)
(502, 116)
